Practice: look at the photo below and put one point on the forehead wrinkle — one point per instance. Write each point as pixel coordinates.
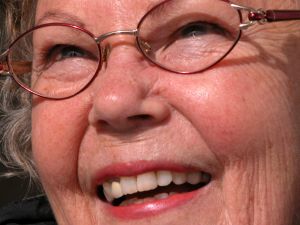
(60, 16)
(118, 7)
(153, 4)
(133, 14)
(57, 15)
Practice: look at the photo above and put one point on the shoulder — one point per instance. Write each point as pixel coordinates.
(32, 211)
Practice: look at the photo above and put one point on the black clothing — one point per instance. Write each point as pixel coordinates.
(33, 211)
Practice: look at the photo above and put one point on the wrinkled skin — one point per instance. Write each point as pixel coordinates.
(240, 117)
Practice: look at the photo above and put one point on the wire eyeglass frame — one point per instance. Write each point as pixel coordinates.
(254, 16)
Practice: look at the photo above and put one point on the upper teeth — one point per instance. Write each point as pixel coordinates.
(149, 181)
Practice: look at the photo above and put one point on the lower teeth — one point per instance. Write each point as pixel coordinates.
(135, 201)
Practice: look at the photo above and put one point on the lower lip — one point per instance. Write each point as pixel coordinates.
(154, 207)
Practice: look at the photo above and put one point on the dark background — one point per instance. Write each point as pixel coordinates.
(13, 189)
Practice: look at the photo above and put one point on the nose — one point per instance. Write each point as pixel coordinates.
(122, 96)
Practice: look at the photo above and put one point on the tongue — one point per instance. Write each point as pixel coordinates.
(158, 193)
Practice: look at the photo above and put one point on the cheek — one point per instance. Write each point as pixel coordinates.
(57, 130)
(233, 110)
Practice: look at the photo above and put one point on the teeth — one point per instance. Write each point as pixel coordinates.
(116, 189)
(147, 200)
(146, 182)
(131, 201)
(205, 178)
(128, 185)
(164, 178)
(179, 178)
(107, 191)
(139, 201)
(135, 201)
(194, 178)
(161, 196)
(149, 181)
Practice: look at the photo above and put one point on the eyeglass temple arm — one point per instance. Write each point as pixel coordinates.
(3, 65)
(3, 69)
(262, 16)
(19, 67)
(274, 15)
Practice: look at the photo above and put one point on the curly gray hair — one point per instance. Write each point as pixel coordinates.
(15, 104)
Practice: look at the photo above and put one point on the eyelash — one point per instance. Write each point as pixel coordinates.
(58, 50)
(215, 28)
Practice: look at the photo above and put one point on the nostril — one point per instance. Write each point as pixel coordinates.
(123, 115)
(129, 122)
(103, 123)
(140, 117)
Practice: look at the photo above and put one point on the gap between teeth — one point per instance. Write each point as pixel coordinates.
(149, 181)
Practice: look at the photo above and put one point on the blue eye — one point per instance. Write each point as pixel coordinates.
(194, 30)
(200, 28)
(71, 52)
(62, 52)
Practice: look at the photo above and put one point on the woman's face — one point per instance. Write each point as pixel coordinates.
(234, 127)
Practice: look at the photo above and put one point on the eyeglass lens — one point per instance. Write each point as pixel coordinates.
(182, 36)
(191, 35)
(63, 60)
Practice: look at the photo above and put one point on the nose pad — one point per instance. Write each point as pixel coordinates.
(146, 47)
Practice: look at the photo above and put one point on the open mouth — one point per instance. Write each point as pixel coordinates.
(150, 186)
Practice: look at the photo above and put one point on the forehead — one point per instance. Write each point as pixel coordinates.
(120, 13)
(99, 11)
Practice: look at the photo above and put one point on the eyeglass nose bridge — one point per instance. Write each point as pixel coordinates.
(113, 33)
(106, 50)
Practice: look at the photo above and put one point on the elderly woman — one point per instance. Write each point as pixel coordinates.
(154, 112)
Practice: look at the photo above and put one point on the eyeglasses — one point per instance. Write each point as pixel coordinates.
(59, 60)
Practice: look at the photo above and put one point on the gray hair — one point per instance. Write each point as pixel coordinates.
(15, 104)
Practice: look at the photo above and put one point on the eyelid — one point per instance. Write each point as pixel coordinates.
(48, 54)
(175, 34)
(168, 26)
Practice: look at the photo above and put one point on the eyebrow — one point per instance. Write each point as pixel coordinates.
(59, 16)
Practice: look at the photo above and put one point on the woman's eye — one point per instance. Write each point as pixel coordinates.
(200, 28)
(71, 52)
(61, 52)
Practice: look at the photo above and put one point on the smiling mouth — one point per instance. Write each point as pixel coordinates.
(150, 186)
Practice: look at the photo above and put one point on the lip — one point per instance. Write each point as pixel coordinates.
(155, 207)
(152, 207)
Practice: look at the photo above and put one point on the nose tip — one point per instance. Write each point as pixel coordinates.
(122, 111)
